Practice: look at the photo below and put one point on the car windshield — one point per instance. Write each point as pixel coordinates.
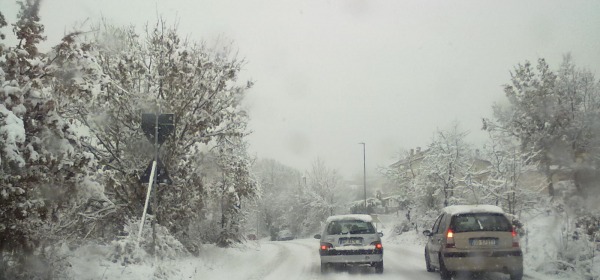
(350, 227)
(480, 222)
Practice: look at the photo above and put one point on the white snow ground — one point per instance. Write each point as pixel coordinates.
(295, 259)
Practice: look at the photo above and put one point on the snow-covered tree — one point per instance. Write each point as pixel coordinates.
(554, 115)
(319, 197)
(446, 164)
(47, 180)
(3, 24)
(109, 80)
(579, 103)
(532, 116)
(403, 176)
(279, 184)
(446, 173)
(505, 185)
(237, 183)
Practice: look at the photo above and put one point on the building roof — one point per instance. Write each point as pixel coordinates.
(413, 157)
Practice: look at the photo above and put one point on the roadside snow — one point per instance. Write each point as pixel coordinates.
(91, 262)
(298, 259)
(545, 240)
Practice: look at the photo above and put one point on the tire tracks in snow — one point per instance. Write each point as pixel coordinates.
(307, 246)
(293, 260)
(406, 264)
(310, 258)
(303, 264)
(266, 269)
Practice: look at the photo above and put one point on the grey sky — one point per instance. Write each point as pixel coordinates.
(331, 74)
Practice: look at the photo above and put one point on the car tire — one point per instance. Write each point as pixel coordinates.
(325, 268)
(516, 275)
(379, 267)
(444, 273)
(336, 267)
(428, 262)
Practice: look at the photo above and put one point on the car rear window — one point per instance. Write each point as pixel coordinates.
(480, 222)
(350, 227)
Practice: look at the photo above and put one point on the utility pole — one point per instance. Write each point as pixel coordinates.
(365, 175)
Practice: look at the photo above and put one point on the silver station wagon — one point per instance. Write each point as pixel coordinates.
(350, 240)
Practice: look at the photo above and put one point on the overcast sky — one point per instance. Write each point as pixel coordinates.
(332, 73)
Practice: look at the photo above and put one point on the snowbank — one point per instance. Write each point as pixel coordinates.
(92, 262)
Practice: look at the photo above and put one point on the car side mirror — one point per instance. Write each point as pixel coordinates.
(380, 234)
(317, 236)
(427, 233)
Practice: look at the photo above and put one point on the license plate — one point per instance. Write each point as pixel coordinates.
(351, 241)
(483, 242)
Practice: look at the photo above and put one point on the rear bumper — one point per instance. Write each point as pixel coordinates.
(498, 261)
(351, 256)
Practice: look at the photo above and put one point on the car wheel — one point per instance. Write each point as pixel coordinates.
(516, 275)
(444, 273)
(379, 267)
(428, 262)
(324, 267)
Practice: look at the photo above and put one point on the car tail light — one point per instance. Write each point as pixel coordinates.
(325, 246)
(515, 238)
(450, 239)
(377, 244)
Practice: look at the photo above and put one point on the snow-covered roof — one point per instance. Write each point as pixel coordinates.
(360, 217)
(460, 209)
(394, 196)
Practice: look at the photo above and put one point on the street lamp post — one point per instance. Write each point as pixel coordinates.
(364, 175)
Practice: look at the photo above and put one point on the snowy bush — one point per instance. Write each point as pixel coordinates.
(129, 250)
(204, 230)
(556, 243)
(126, 251)
(576, 254)
(403, 227)
(424, 219)
(46, 175)
(47, 262)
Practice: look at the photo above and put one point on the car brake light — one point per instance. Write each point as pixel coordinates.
(450, 239)
(325, 246)
(377, 244)
(515, 238)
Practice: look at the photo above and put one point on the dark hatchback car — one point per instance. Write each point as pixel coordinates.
(284, 235)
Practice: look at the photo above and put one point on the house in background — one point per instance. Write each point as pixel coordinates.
(480, 172)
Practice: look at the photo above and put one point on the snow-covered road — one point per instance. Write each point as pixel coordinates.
(295, 260)
(298, 259)
(268, 260)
